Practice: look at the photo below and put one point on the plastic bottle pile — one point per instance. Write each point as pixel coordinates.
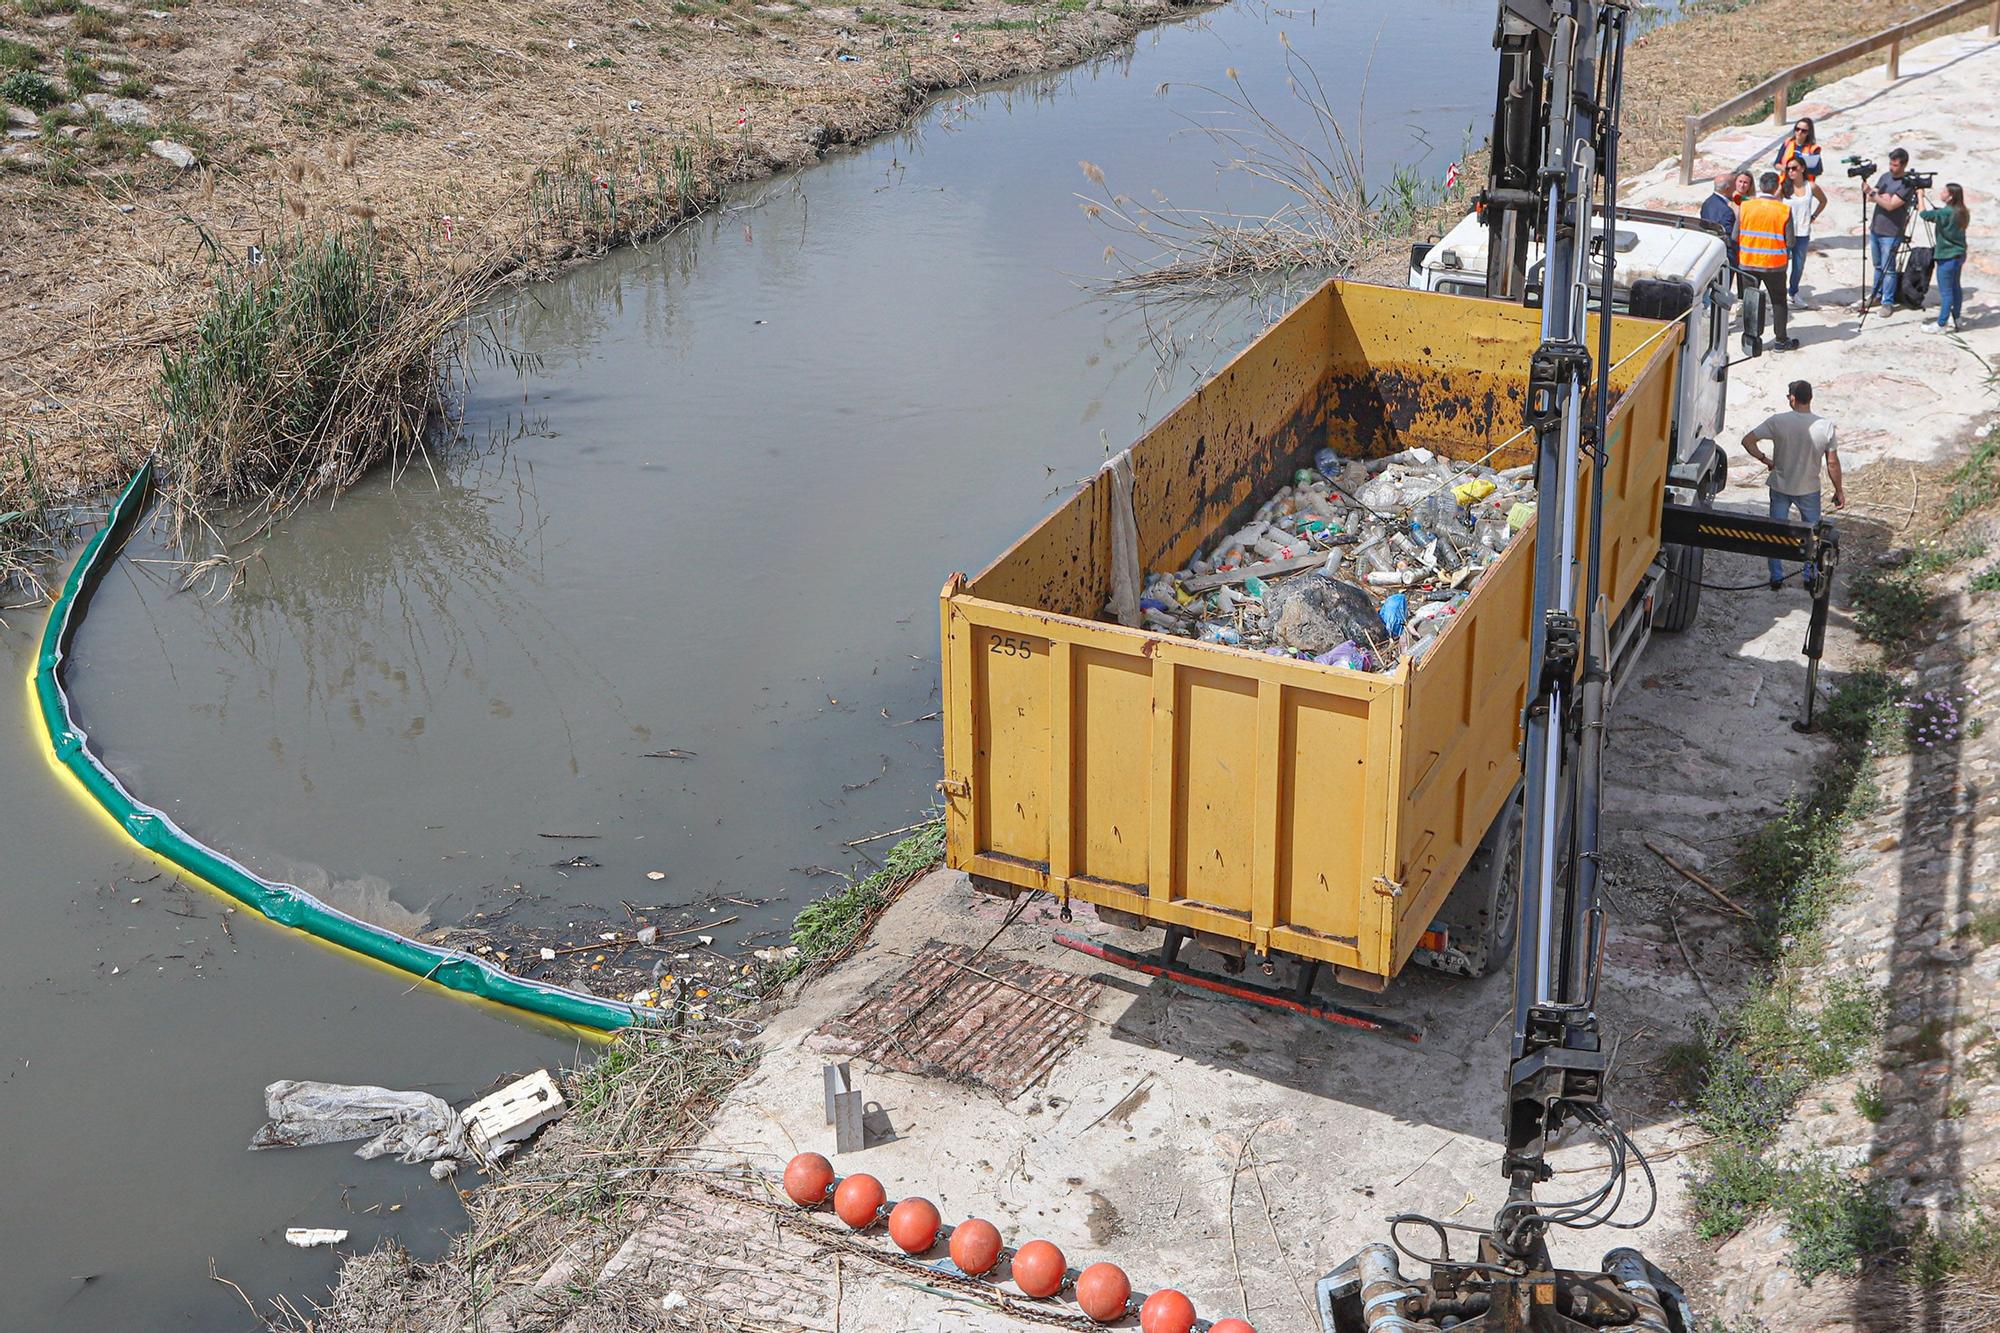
(1356, 564)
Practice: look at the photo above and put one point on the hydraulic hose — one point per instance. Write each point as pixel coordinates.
(285, 904)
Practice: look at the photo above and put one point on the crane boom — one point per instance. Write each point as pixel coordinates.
(1554, 143)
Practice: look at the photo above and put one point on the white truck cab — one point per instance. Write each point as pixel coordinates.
(1668, 267)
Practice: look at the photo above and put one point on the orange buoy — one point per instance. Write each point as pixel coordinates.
(807, 1179)
(1166, 1311)
(1230, 1326)
(975, 1246)
(913, 1225)
(1102, 1291)
(858, 1198)
(1039, 1268)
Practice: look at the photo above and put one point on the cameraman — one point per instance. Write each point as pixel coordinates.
(1893, 199)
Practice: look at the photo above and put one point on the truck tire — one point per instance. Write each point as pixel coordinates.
(1684, 565)
(1483, 911)
(1682, 585)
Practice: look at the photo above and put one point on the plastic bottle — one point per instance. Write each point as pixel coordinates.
(1216, 632)
(1382, 495)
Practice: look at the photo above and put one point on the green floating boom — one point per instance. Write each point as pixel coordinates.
(286, 904)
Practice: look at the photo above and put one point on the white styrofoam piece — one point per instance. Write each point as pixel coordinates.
(494, 1124)
(307, 1237)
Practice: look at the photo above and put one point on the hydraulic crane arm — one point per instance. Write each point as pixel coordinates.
(1555, 135)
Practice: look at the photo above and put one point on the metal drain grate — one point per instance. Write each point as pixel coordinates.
(958, 1014)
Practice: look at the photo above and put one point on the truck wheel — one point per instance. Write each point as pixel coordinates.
(1684, 572)
(1483, 910)
(1683, 588)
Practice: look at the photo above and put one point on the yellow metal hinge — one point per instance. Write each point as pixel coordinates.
(957, 787)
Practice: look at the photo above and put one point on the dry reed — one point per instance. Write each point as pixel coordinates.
(1326, 218)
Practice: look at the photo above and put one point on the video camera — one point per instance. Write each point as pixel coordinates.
(1920, 180)
(1859, 166)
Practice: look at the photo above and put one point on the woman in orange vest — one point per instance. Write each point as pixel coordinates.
(1802, 143)
(1764, 250)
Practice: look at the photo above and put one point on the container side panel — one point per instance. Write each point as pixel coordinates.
(1112, 724)
(1461, 736)
(1215, 717)
(1325, 772)
(1433, 373)
(1013, 732)
(1211, 460)
(1061, 566)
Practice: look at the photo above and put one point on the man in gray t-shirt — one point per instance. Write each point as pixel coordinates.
(1800, 443)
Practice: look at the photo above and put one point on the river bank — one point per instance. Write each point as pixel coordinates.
(151, 150)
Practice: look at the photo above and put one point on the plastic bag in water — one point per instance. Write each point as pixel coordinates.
(415, 1126)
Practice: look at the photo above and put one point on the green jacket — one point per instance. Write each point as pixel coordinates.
(1950, 235)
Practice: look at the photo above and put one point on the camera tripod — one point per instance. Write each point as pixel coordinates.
(1870, 281)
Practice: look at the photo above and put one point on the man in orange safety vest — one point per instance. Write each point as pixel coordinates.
(1763, 250)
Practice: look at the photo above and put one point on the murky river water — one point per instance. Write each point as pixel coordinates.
(714, 516)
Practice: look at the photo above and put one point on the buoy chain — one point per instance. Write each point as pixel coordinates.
(795, 1220)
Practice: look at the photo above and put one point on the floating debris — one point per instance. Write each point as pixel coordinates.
(1357, 564)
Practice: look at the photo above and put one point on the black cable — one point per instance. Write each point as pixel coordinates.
(1683, 581)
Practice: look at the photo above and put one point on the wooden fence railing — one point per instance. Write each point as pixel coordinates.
(1779, 86)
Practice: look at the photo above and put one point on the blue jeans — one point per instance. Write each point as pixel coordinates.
(1798, 263)
(1781, 507)
(1882, 249)
(1951, 292)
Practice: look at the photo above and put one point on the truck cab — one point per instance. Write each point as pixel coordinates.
(1668, 267)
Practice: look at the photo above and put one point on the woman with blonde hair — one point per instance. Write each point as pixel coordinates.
(1807, 201)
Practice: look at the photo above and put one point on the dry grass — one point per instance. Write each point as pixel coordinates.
(576, 1195)
(488, 141)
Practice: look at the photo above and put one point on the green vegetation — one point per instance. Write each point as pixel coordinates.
(827, 929)
(32, 528)
(81, 76)
(1892, 607)
(1790, 1034)
(91, 24)
(1836, 1223)
(1969, 1245)
(1868, 1100)
(18, 55)
(29, 89)
(607, 189)
(306, 369)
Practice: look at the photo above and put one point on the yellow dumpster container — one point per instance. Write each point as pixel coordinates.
(1284, 806)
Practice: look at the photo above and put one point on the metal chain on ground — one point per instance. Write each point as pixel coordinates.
(794, 1219)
